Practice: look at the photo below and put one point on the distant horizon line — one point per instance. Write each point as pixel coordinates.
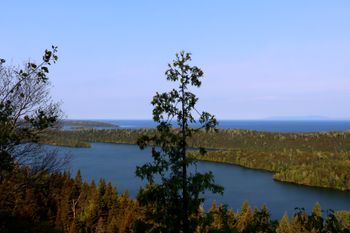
(223, 119)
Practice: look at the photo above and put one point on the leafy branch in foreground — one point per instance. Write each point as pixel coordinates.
(172, 196)
(26, 111)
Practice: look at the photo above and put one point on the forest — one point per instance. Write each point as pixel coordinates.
(319, 159)
(38, 195)
(78, 124)
(57, 202)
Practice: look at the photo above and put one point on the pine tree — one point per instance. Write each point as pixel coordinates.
(299, 221)
(261, 221)
(284, 225)
(244, 217)
(317, 210)
(173, 195)
(315, 220)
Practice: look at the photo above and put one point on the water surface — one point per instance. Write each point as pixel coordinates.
(117, 163)
(259, 125)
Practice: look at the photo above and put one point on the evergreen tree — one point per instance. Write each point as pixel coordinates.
(244, 217)
(172, 192)
(284, 225)
(315, 220)
(317, 210)
(299, 221)
(261, 221)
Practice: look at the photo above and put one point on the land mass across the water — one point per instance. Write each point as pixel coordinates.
(79, 124)
(319, 159)
(300, 125)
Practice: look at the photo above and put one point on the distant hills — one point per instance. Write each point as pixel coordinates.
(299, 118)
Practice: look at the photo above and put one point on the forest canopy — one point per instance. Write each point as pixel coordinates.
(314, 159)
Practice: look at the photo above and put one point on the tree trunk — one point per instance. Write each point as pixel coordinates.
(185, 223)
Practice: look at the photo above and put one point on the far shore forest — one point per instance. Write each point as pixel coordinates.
(319, 159)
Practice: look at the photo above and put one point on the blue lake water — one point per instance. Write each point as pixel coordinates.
(262, 125)
(117, 163)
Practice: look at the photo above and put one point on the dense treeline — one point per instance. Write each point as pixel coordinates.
(93, 135)
(57, 203)
(321, 169)
(75, 124)
(314, 159)
(222, 139)
(32, 202)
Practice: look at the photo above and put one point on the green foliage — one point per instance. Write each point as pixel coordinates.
(315, 159)
(172, 196)
(302, 222)
(322, 169)
(222, 219)
(58, 203)
(25, 107)
(80, 124)
(47, 201)
(284, 225)
(344, 218)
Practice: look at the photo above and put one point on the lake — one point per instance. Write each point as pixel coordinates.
(259, 125)
(117, 163)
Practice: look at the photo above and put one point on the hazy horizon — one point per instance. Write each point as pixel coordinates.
(273, 118)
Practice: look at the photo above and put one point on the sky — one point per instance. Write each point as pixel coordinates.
(260, 59)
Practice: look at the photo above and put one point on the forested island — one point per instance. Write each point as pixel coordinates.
(315, 159)
(79, 124)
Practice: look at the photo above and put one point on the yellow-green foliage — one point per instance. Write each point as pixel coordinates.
(314, 159)
(58, 203)
(343, 217)
(307, 168)
(284, 225)
(221, 219)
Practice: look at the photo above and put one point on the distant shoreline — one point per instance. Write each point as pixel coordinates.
(289, 126)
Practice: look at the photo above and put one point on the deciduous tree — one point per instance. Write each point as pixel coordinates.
(26, 111)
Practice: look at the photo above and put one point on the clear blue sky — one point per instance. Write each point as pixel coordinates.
(260, 58)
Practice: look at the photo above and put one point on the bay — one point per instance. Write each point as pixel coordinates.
(117, 163)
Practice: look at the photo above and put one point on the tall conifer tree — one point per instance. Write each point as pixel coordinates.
(172, 191)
